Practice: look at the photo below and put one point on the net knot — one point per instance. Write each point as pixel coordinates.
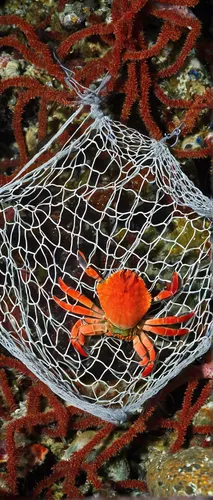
(175, 133)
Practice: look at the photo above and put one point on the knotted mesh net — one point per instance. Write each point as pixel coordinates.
(121, 199)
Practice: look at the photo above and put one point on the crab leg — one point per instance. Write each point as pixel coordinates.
(94, 328)
(168, 332)
(79, 330)
(78, 296)
(154, 325)
(88, 270)
(77, 339)
(170, 289)
(170, 320)
(145, 349)
(77, 309)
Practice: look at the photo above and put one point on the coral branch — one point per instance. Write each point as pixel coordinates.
(185, 416)
(144, 102)
(41, 50)
(195, 153)
(168, 101)
(132, 484)
(6, 391)
(138, 427)
(54, 420)
(131, 92)
(127, 56)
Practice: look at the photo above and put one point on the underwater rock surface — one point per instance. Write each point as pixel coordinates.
(187, 472)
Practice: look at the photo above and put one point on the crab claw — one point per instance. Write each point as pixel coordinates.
(77, 339)
(145, 349)
(171, 288)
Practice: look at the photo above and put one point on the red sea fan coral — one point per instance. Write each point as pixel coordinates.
(129, 56)
(33, 416)
(25, 43)
(30, 410)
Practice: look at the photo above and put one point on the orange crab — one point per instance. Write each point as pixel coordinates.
(125, 302)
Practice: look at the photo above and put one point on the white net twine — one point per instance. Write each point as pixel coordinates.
(121, 199)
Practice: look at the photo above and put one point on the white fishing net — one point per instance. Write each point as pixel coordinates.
(121, 199)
